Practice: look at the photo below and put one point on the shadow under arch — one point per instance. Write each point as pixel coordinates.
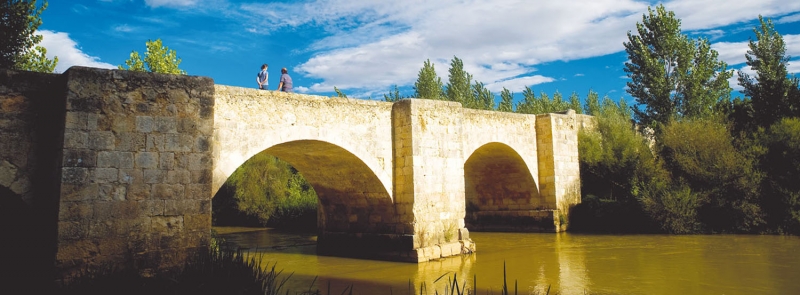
(349, 192)
(355, 209)
(501, 194)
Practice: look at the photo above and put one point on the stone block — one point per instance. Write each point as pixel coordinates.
(74, 175)
(75, 139)
(76, 120)
(75, 211)
(167, 225)
(168, 191)
(166, 161)
(152, 208)
(102, 140)
(72, 230)
(178, 176)
(166, 124)
(131, 176)
(131, 141)
(104, 175)
(146, 160)
(108, 159)
(138, 192)
(112, 192)
(145, 124)
(156, 142)
(79, 192)
(197, 191)
(155, 176)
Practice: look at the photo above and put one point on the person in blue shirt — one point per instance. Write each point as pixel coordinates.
(262, 77)
(286, 82)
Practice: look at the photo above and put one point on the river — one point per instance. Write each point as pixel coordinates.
(566, 263)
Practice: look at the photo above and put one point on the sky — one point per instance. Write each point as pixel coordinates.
(364, 48)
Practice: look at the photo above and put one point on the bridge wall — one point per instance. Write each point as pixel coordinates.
(135, 169)
(124, 165)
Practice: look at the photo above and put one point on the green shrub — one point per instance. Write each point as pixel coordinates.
(781, 195)
(612, 158)
(722, 181)
(266, 191)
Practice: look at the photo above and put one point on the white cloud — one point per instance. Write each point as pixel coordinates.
(789, 19)
(700, 15)
(123, 28)
(69, 54)
(733, 52)
(518, 84)
(579, 75)
(170, 3)
(793, 67)
(374, 44)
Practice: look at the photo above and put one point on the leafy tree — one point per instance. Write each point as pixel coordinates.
(459, 82)
(19, 49)
(528, 102)
(157, 59)
(672, 75)
(592, 106)
(613, 159)
(428, 85)
(483, 99)
(264, 190)
(781, 163)
(773, 95)
(506, 101)
(339, 93)
(575, 103)
(725, 182)
(394, 95)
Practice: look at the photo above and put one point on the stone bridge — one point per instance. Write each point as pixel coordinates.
(122, 166)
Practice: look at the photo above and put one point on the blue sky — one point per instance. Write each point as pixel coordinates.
(365, 47)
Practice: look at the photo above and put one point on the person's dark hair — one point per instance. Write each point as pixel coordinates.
(283, 70)
(264, 66)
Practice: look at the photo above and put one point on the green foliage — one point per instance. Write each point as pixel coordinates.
(428, 85)
(672, 75)
(613, 158)
(772, 94)
(339, 93)
(781, 163)
(723, 180)
(19, 49)
(506, 101)
(532, 104)
(481, 98)
(575, 103)
(459, 82)
(394, 95)
(592, 106)
(157, 59)
(266, 190)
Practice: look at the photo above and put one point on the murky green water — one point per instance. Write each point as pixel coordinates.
(567, 263)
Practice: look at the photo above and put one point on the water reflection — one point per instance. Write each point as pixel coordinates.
(567, 263)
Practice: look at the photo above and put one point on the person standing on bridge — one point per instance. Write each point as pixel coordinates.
(262, 77)
(286, 82)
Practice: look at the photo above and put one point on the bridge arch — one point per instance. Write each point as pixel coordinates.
(498, 179)
(351, 196)
(499, 188)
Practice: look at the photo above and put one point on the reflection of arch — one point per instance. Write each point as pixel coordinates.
(351, 196)
(497, 179)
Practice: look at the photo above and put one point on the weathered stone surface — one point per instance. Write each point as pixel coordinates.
(142, 154)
